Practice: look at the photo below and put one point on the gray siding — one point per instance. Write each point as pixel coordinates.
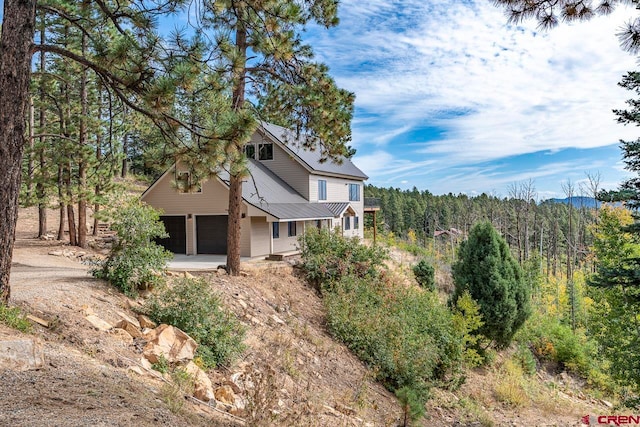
(286, 167)
(286, 243)
(245, 237)
(260, 236)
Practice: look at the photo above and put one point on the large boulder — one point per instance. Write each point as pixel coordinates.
(170, 342)
(21, 354)
(203, 388)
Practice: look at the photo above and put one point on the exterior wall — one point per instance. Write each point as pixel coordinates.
(285, 243)
(260, 236)
(245, 237)
(213, 200)
(338, 191)
(286, 167)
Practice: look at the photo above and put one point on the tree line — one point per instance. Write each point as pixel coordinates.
(549, 230)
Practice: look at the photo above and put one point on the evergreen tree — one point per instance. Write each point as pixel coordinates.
(494, 279)
(123, 51)
(259, 55)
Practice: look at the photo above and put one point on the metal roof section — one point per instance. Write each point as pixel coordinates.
(295, 146)
(269, 193)
(298, 211)
(339, 209)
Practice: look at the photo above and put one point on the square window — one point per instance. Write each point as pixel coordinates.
(322, 189)
(265, 151)
(276, 230)
(292, 228)
(354, 192)
(185, 184)
(250, 151)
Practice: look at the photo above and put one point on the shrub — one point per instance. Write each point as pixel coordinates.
(425, 275)
(412, 404)
(135, 262)
(190, 305)
(494, 279)
(467, 319)
(403, 334)
(554, 341)
(328, 257)
(14, 318)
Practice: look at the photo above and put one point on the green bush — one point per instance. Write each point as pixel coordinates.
(190, 305)
(135, 261)
(525, 359)
(14, 318)
(425, 275)
(553, 341)
(328, 257)
(403, 334)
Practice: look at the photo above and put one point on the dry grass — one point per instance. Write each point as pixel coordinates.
(509, 388)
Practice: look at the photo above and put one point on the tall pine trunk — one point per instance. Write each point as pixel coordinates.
(98, 188)
(235, 180)
(18, 28)
(73, 240)
(42, 123)
(61, 208)
(30, 162)
(82, 163)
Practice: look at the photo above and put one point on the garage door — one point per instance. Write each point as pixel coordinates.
(212, 234)
(177, 229)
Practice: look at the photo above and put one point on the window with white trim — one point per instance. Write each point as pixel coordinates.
(185, 184)
(347, 223)
(322, 189)
(354, 192)
(250, 151)
(265, 151)
(276, 230)
(292, 229)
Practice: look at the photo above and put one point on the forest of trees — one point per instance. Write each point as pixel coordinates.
(547, 230)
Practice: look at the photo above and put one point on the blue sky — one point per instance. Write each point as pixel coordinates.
(450, 98)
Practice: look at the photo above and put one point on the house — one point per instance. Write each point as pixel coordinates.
(289, 190)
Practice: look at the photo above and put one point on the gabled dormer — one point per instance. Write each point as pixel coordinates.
(283, 153)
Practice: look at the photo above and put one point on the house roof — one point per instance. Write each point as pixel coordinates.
(269, 193)
(339, 208)
(311, 159)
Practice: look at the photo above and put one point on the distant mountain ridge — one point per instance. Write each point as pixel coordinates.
(578, 201)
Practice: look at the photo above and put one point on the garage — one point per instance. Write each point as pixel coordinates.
(176, 227)
(211, 234)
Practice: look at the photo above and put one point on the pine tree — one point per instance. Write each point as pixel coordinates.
(494, 279)
(260, 56)
(124, 53)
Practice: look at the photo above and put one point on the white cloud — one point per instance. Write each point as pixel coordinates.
(514, 90)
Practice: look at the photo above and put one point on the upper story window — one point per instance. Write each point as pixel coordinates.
(322, 189)
(250, 151)
(185, 184)
(354, 192)
(265, 151)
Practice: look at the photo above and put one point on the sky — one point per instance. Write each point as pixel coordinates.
(450, 98)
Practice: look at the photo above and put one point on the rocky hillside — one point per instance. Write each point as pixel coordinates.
(293, 373)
